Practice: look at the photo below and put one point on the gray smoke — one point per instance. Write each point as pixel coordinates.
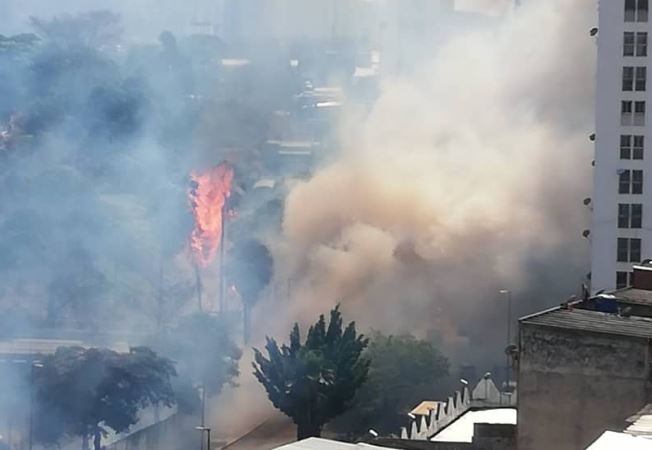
(465, 178)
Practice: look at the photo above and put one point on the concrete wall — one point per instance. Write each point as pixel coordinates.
(494, 436)
(573, 386)
(406, 444)
(176, 431)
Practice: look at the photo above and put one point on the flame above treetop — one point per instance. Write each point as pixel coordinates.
(207, 197)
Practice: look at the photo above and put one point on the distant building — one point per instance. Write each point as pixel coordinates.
(622, 228)
(584, 367)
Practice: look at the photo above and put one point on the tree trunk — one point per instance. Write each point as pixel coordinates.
(84, 439)
(306, 430)
(97, 439)
(246, 326)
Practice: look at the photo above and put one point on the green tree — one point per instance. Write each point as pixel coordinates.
(83, 392)
(404, 371)
(314, 381)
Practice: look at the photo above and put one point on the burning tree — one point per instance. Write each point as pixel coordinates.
(314, 382)
(208, 197)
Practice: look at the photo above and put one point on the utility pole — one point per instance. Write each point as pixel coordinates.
(35, 365)
(509, 338)
(222, 308)
(206, 430)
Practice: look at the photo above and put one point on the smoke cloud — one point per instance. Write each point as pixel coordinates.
(465, 178)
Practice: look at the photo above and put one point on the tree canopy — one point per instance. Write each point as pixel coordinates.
(314, 381)
(82, 392)
(403, 371)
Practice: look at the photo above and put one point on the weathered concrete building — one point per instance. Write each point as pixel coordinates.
(584, 367)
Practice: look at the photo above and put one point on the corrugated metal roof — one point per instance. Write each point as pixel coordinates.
(593, 321)
(641, 423)
(631, 295)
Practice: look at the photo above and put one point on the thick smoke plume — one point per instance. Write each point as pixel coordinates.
(466, 178)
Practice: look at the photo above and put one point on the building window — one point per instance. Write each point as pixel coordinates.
(639, 113)
(626, 112)
(641, 78)
(635, 44)
(630, 182)
(634, 78)
(631, 147)
(623, 215)
(632, 113)
(637, 181)
(630, 215)
(621, 280)
(625, 146)
(628, 43)
(628, 78)
(639, 144)
(636, 10)
(629, 250)
(630, 10)
(636, 215)
(641, 44)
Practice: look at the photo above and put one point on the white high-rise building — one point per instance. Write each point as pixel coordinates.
(621, 232)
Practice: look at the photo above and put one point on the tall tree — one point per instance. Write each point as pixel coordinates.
(249, 270)
(83, 392)
(313, 382)
(404, 370)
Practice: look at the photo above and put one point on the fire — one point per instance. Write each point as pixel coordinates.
(207, 198)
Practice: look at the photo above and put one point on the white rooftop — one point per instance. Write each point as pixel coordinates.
(328, 444)
(611, 440)
(462, 429)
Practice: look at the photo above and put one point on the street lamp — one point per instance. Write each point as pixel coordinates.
(208, 436)
(509, 334)
(35, 365)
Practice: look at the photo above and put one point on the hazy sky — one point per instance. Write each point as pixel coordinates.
(144, 19)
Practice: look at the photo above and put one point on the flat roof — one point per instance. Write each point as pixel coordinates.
(610, 440)
(462, 429)
(592, 321)
(328, 444)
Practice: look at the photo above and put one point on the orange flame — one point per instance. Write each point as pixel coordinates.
(207, 198)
